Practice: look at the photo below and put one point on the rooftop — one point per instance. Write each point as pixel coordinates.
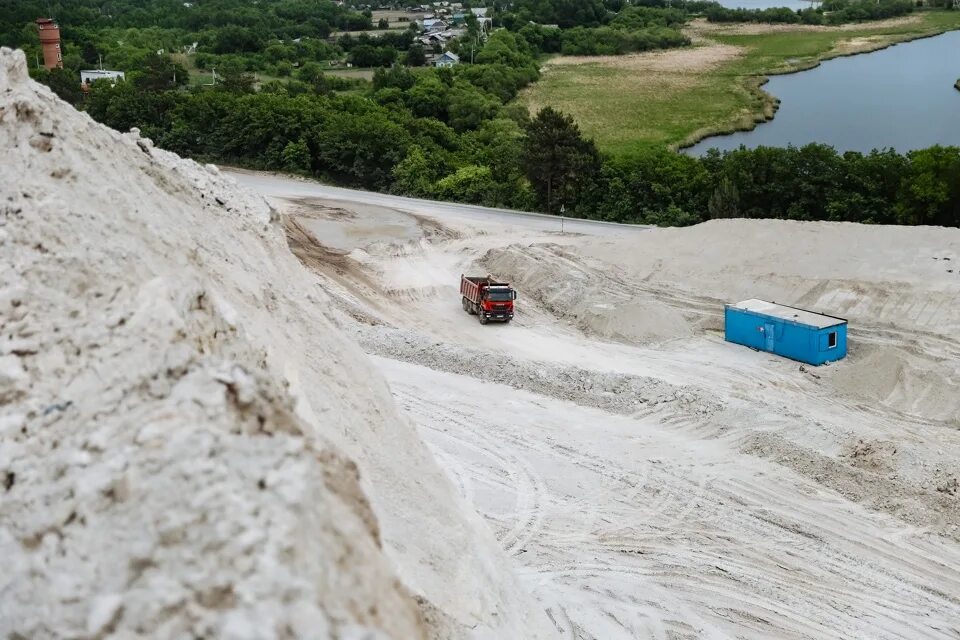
(801, 316)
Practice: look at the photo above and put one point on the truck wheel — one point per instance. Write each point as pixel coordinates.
(465, 304)
(483, 318)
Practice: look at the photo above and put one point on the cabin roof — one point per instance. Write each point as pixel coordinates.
(793, 314)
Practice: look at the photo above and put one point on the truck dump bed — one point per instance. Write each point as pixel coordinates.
(471, 287)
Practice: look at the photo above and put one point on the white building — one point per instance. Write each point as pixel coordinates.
(88, 77)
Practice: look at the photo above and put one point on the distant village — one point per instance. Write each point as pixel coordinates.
(437, 25)
(443, 23)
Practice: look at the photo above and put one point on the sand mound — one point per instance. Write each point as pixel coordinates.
(178, 418)
(903, 381)
(871, 274)
(569, 288)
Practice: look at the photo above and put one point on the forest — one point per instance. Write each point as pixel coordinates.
(831, 12)
(451, 133)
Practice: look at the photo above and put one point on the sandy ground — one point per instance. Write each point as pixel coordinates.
(701, 27)
(190, 444)
(193, 443)
(649, 479)
(697, 59)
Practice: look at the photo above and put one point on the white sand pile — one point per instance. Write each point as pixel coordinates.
(597, 303)
(906, 276)
(898, 286)
(903, 381)
(176, 413)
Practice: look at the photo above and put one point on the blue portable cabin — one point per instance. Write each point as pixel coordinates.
(793, 333)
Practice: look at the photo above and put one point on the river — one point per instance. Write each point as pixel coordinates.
(901, 97)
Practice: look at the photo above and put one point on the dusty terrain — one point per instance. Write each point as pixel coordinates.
(647, 478)
(193, 442)
(687, 60)
(189, 445)
(702, 27)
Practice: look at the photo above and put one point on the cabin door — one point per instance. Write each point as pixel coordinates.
(768, 332)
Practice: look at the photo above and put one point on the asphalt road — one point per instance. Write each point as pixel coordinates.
(274, 186)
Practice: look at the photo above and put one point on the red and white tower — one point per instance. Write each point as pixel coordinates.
(50, 41)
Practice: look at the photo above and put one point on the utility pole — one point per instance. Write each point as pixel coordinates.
(562, 209)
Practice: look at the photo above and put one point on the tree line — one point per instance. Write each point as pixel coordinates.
(812, 182)
(830, 12)
(456, 120)
(589, 14)
(439, 135)
(457, 134)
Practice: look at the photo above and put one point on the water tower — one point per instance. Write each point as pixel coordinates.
(50, 41)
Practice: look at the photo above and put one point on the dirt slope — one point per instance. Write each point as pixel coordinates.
(188, 444)
(874, 274)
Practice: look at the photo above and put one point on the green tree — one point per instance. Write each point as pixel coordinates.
(296, 156)
(158, 73)
(467, 184)
(558, 160)
(311, 73)
(415, 56)
(428, 97)
(468, 107)
(414, 175)
(123, 107)
(233, 78)
(236, 39)
(365, 55)
(90, 53)
(397, 77)
(361, 144)
(931, 189)
(656, 186)
(64, 82)
(725, 200)
(498, 144)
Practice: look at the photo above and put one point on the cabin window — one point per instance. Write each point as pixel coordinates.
(831, 339)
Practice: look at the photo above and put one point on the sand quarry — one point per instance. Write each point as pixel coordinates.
(224, 416)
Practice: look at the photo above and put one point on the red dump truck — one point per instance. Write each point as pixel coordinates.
(487, 299)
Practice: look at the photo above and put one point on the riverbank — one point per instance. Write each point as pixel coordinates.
(678, 97)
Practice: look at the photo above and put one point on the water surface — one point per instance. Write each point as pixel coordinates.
(901, 97)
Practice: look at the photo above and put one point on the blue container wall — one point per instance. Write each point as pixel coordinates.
(785, 338)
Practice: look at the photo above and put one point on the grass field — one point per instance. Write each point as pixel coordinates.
(396, 19)
(353, 72)
(203, 77)
(678, 96)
